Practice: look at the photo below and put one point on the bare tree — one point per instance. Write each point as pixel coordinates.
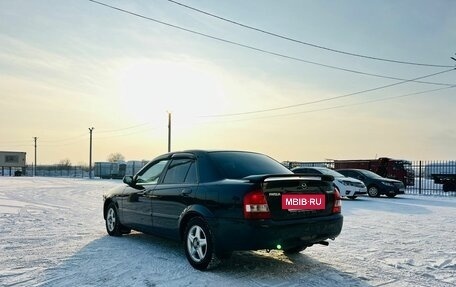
(116, 157)
(64, 163)
(84, 166)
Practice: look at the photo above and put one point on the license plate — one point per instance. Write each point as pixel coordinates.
(303, 201)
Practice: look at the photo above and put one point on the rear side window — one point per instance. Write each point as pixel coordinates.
(237, 165)
(191, 174)
(180, 171)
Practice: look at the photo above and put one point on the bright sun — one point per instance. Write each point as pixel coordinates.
(149, 89)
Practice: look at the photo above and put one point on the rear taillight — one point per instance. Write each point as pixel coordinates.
(337, 207)
(256, 206)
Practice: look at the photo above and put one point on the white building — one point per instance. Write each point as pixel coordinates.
(12, 161)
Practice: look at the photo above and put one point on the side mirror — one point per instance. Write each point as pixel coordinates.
(128, 179)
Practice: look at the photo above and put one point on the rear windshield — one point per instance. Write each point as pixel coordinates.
(237, 165)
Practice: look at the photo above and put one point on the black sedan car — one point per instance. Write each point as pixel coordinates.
(216, 202)
(376, 185)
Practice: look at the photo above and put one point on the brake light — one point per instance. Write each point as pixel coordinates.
(256, 206)
(337, 207)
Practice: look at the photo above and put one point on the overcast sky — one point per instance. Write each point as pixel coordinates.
(66, 66)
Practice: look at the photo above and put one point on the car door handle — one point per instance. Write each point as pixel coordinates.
(186, 191)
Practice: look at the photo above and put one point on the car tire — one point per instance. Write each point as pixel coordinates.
(294, 250)
(198, 245)
(373, 191)
(113, 226)
(353, 197)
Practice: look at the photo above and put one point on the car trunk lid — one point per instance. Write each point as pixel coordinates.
(297, 196)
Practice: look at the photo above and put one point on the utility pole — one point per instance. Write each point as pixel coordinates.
(34, 169)
(90, 153)
(169, 131)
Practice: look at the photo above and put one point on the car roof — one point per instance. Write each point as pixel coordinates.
(197, 153)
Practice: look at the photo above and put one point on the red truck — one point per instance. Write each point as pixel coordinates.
(384, 166)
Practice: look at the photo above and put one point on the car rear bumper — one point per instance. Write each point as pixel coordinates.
(268, 234)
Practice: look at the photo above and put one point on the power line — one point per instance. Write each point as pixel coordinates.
(255, 48)
(13, 142)
(70, 140)
(123, 134)
(19, 145)
(122, 129)
(365, 102)
(328, 99)
(340, 106)
(65, 139)
(307, 43)
(127, 134)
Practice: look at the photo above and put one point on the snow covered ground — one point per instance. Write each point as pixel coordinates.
(52, 234)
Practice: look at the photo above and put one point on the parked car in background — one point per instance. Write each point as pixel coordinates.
(376, 185)
(384, 166)
(216, 202)
(348, 187)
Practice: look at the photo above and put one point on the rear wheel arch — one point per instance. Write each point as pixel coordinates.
(184, 221)
(191, 212)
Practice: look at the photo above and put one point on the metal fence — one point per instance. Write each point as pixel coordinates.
(106, 170)
(117, 169)
(58, 171)
(431, 177)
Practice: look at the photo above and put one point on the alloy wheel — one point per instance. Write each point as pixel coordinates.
(373, 191)
(111, 219)
(197, 243)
